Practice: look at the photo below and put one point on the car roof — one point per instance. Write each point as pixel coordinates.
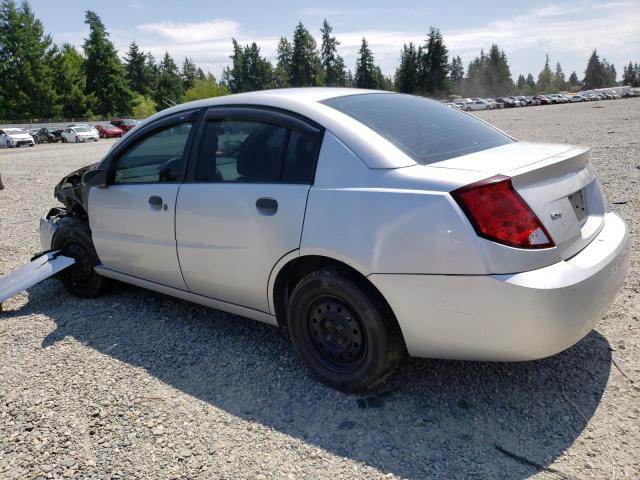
(369, 146)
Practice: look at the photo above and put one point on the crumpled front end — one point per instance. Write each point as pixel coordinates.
(70, 192)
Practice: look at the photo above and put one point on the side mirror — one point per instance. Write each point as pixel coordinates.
(94, 178)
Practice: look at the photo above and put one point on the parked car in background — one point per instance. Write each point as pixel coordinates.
(368, 223)
(543, 99)
(109, 131)
(15, 137)
(523, 100)
(578, 98)
(124, 124)
(48, 135)
(507, 102)
(556, 98)
(79, 133)
(476, 104)
(491, 103)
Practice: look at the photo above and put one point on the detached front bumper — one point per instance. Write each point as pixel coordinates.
(521, 316)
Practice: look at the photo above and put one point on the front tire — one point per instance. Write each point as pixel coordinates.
(347, 337)
(77, 140)
(73, 238)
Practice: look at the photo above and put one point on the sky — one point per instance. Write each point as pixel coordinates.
(525, 30)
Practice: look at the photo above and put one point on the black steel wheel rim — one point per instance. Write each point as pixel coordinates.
(335, 335)
(82, 270)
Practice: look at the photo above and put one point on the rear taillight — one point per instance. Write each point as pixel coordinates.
(499, 214)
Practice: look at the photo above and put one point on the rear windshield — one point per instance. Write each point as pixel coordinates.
(426, 130)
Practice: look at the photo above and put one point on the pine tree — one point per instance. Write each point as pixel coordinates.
(457, 73)
(69, 82)
(545, 77)
(189, 73)
(594, 75)
(332, 63)
(105, 74)
(433, 77)
(137, 70)
(257, 69)
(367, 75)
(170, 87)
(522, 82)
(234, 76)
(531, 82)
(573, 80)
(306, 66)
(250, 71)
(496, 73)
(282, 72)
(26, 77)
(559, 82)
(406, 77)
(609, 73)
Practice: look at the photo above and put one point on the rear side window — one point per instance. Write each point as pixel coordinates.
(254, 151)
(425, 130)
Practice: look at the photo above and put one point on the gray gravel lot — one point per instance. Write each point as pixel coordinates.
(139, 385)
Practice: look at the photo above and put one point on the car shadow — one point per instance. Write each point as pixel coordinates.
(433, 419)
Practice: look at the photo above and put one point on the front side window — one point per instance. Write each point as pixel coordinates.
(425, 130)
(156, 158)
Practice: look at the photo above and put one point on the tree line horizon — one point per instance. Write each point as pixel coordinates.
(41, 80)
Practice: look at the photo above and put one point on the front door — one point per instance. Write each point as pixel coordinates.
(243, 208)
(133, 219)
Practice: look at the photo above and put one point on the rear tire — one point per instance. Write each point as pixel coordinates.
(346, 336)
(73, 238)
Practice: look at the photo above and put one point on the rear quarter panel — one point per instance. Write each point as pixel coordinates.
(387, 220)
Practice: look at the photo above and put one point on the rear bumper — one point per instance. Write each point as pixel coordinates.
(521, 316)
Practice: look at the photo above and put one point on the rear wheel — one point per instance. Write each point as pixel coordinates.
(73, 238)
(347, 338)
(77, 140)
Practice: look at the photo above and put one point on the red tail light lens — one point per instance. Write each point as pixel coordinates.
(499, 214)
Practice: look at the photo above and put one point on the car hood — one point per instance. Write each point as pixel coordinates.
(19, 136)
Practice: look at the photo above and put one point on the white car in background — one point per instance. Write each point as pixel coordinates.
(368, 223)
(473, 104)
(80, 133)
(578, 98)
(15, 137)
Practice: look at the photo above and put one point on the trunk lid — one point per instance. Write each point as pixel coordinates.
(559, 185)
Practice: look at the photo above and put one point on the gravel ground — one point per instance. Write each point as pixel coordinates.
(139, 385)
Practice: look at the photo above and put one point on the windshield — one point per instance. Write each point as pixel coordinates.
(14, 130)
(425, 130)
(81, 129)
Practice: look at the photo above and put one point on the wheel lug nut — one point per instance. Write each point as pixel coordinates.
(327, 324)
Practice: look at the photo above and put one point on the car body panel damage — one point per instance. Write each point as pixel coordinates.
(70, 192)
(39, 269)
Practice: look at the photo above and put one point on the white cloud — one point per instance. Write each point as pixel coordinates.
(193, 32)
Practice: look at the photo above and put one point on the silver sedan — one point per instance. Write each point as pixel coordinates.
(370, 224)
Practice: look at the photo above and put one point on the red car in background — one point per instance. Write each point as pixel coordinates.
(124, 124)
(544, 100)
(109, 131)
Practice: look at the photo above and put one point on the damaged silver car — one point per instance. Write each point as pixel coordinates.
(369, 223)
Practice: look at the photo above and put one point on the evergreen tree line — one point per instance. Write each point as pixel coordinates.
(41, 80)
(300, 62)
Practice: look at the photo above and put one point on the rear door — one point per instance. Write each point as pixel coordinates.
(133, 219)
(242, 208)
